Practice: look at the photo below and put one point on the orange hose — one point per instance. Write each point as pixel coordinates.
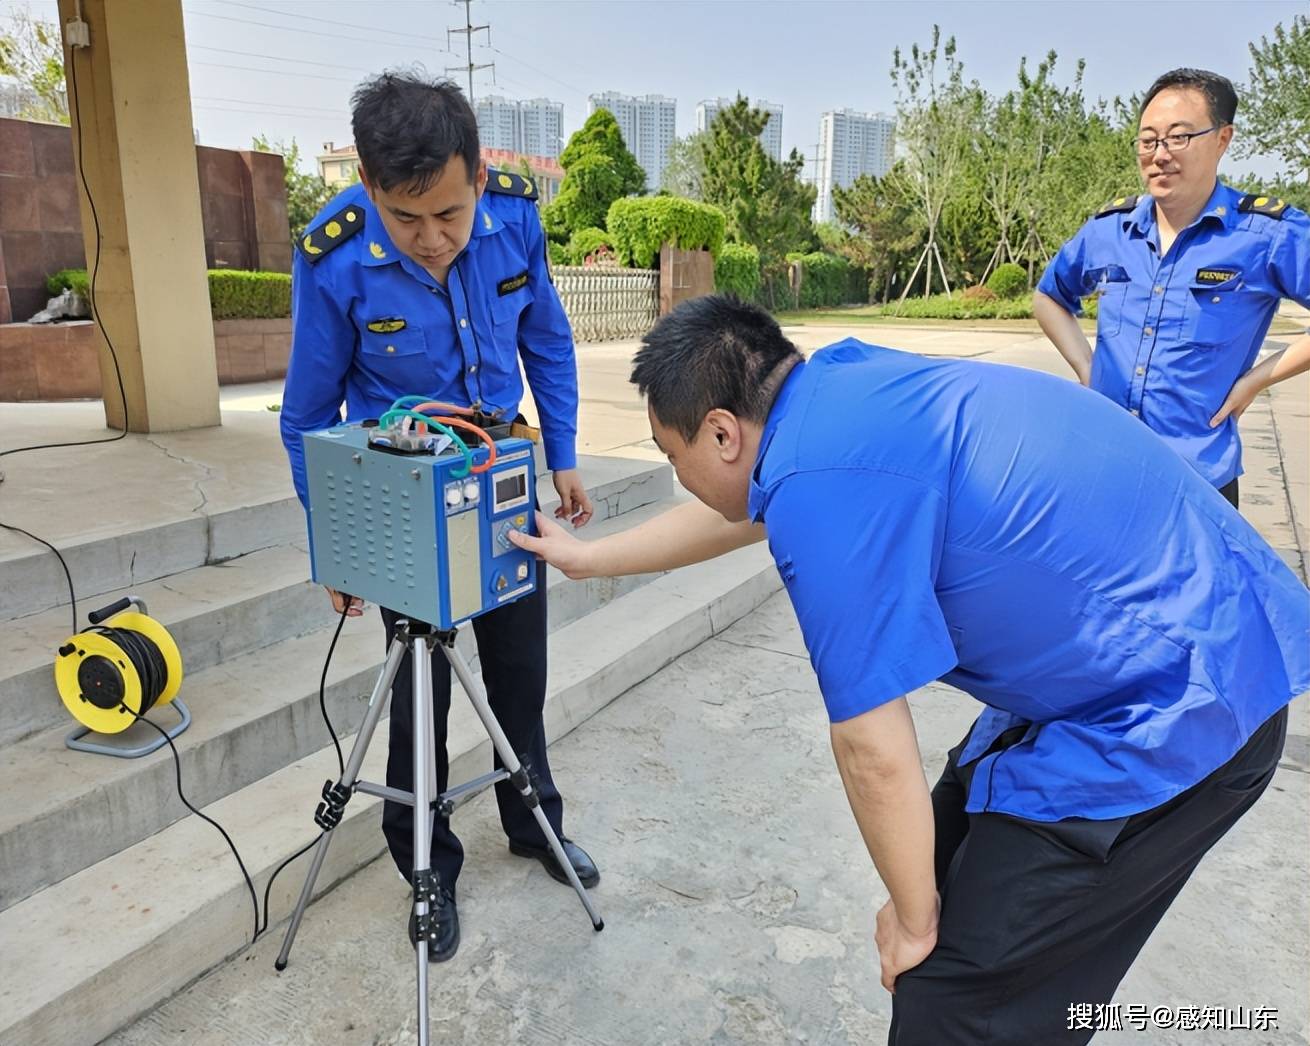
(461, 423)
(448, 408)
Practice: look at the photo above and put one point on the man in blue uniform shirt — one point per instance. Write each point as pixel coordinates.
(1134, 640)
(1188, 277)
(430, 279)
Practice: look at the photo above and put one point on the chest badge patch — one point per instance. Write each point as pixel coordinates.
(386, 326)
(1216, 276)
(512, 284)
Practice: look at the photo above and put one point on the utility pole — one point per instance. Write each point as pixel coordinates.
(468, 29)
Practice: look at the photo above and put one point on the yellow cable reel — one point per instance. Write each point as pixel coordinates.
(122, 667)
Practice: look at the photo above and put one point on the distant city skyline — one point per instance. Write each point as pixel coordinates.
(851, 144)
(770, 137)
(286, 69)
(649, 125)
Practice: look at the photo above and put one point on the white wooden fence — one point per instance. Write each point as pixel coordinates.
(604, 303)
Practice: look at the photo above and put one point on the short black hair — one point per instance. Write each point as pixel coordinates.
(1220, 95)
(408, 127)
(713, 352)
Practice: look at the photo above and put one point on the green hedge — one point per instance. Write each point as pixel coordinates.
(827, 279)
(737, 271)
(234, 294)
(962, 307)
(68, 278)
(641, 225)
(1008, 281)
(586, 242)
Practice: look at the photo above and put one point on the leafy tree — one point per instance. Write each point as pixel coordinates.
(306, 193)
(684, 170)
(32, 52)
(936, 113)
(598, 169)
(887, 229)
(766, 203)
(1277, 99)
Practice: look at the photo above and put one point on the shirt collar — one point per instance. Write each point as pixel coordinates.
(1220, 207)
(781, 402)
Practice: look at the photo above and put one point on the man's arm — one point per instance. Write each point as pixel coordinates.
(690, 533)
(877, 756)
(1061, 326)
(1286, 363)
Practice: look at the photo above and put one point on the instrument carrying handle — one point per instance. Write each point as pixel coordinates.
(96, 616)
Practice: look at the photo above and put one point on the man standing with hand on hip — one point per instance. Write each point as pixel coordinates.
(1188, 276)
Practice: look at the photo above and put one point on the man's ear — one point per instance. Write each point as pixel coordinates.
(480, 180)
(726, 431)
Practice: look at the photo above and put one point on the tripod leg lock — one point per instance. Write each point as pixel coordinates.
(525, 782)
(426, 886)
(329, 812)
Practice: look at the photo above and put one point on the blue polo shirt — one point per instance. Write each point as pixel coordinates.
(1174, 333)
(1024, 540)
(369, 326)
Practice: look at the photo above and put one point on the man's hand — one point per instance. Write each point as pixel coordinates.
(899, 949)
(557, 547)
(1240, 396)
(339, 600)
(574, 505)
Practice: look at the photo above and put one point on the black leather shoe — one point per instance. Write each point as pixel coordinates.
(588, 873)
(446, 943)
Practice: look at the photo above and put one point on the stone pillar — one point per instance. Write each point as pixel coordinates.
(131, 113)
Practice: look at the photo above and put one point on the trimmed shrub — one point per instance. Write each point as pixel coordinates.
(955, 307)
(235, 294)
(68, 279)
(586, 242)
(1008, 281)
(827, 279)
(977, 295)
(558, 253)
(737, 271)
(640, 225)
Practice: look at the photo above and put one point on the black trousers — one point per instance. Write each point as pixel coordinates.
(1037, 916)
(1229, 490)
(512, 647)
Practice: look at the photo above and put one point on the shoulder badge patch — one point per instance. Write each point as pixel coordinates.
(1270, 206)
(332, 233)
(511, 184)
(1117, 205)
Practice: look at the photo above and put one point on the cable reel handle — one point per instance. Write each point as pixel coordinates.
(104, 613)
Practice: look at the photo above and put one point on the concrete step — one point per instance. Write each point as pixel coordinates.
(253, 713)
(122, 557)
(91, 953)
(220, 611)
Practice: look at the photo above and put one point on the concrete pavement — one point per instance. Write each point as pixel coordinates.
(737, 895)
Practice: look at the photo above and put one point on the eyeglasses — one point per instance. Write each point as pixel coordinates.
(1174, 143)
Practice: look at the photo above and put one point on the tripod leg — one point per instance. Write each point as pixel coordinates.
(518, 777)
(424, 761)
(376, 703)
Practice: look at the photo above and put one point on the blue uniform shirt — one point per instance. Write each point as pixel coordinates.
(1174, 334)
(1025, 541)
(369, 326)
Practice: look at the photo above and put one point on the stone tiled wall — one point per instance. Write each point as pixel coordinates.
(242, 197)
(57, 361)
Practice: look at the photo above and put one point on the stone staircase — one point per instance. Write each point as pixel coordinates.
(112, 897)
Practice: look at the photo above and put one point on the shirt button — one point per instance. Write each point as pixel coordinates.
(1148, 332)
(463, 323)
(1141, 370)
(391, 348)
(1159, 290)
(1215, 299)
(1135, 413)
(473, 369)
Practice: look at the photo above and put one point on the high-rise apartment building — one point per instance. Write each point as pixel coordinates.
(534, 126)
(850, 144)
(648, 124)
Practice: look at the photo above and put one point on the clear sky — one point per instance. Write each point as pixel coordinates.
(285, 68)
